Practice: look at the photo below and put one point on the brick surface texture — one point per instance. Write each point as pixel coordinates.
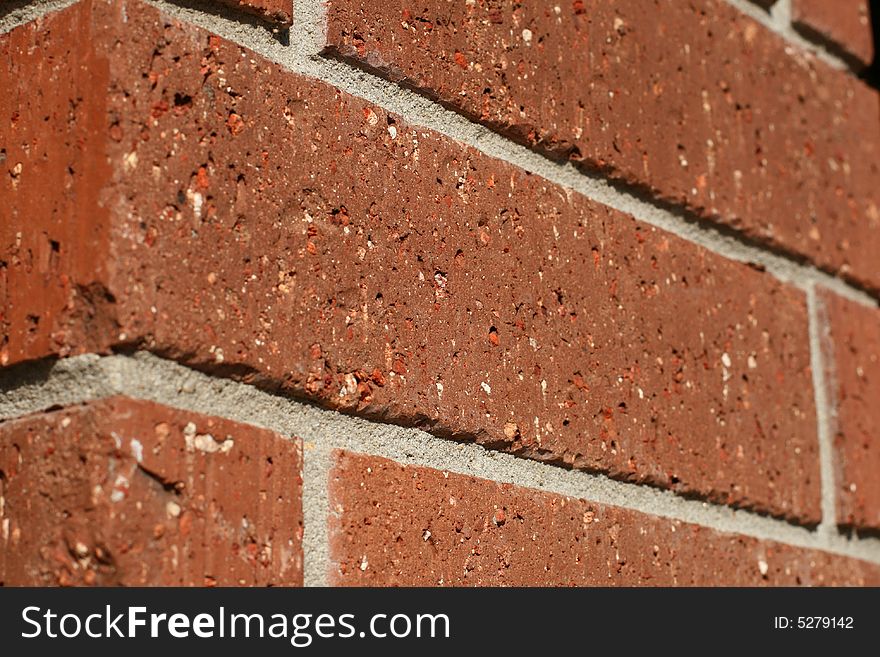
(165, 189)
(277, 12)
(396, 525)
(133, 493)
(855, 371)
(693, 102)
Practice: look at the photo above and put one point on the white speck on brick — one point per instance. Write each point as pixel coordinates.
(119, 488)
(197, 202)
(137, 450)
(129, 161)
(205, 442)
(349, 387)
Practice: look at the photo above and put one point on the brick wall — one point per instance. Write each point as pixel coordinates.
(432, 292)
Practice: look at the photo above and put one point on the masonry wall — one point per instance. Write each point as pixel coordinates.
(439, 293)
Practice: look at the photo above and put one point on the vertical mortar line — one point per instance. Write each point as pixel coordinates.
(308, 35)
(780, 13)
(316, 466)
(164, 382)
(307, 40)
(825, 410)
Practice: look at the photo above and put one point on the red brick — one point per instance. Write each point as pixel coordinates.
(273, 228)
(854, 353)
(397, 525)
(844, 24)
(53, 229)
(133, 493)
(279, 12)
(694, 102)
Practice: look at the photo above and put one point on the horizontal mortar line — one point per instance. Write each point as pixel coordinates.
(149, 377)
(34, 386)
(23, 13)
(424, 112)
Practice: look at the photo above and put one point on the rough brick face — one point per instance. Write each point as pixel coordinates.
(695, 102)
(844, 24)
(396, 525)
(854, 353)
(133, 493)
(278, 12)
(52, 133)
(163, 189)
(274, 228)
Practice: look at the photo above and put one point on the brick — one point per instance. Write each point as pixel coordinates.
(278, 12)
(854, 355)
(397, 525)
(845, 25)
(52, 133)
(272, 228)
(132, 493)
(693, 103)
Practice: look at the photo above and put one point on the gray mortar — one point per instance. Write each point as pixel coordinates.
(24, 12)
(35, 386)
(145, 376)
(316, 513)
(310, 21)
(823, 389)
